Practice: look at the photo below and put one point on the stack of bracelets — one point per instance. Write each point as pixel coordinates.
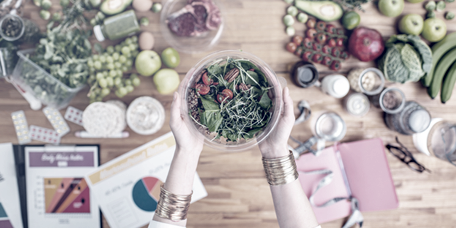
(279, 171)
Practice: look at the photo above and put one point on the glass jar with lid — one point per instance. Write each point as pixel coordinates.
(413, 118)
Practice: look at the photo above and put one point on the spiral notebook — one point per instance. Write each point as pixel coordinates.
(367, 178)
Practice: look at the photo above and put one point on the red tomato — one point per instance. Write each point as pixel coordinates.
(206, 79)
(228, 93)
(332, 42)
(221, 98)
(317, 58)
(202, 89)
(215, 83)
(340, 42)
(308, 43)
(311, 33)
(298, 40)
(291, 47)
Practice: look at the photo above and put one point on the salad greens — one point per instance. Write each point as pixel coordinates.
(234, 109)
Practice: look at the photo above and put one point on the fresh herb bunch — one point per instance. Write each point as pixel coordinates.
(234, 99)
(73, 15)
(64, 55)
(349, 4)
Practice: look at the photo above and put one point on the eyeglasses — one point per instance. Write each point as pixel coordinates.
(403, 154)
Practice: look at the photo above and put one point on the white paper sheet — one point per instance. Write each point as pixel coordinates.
(57, 194)
(128, 187)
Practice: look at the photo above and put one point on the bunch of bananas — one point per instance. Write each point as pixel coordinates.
(442, 76)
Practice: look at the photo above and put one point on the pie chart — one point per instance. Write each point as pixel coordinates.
(146, 193)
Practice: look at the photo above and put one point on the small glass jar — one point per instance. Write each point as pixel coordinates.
(15, 28)
(369, 81)
(304, 74)
(413, 118)
(390, 100)
(118, 26)
(357, 104)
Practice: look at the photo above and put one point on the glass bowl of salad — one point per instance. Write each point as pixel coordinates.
(191, 26)
(232, 98)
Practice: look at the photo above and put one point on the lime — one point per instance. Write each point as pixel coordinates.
(350, 20)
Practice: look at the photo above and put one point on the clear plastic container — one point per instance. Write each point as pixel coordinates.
(188, 44)
(277, 102)
(42, 85)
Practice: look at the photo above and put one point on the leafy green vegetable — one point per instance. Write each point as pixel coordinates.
(407, 58)
(424, 50)
(64, 55)
(411, 60)
(265, 101)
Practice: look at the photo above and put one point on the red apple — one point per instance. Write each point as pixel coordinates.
(366, 44)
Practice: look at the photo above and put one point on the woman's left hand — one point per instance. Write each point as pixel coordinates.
(186, 140)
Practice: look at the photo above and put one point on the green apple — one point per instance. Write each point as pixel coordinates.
(411, 24)
(170, 57)
(147, 62)
(415, 1)
(434, 29)
(391, 8)
(166, 81)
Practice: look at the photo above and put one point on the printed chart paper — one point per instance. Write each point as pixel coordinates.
(10, 207)
(57, 194)
(128, 187)
(4, 221)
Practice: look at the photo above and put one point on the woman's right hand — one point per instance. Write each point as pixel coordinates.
(186, 141)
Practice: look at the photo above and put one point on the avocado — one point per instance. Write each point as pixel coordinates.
(111, 7)
(323, 10)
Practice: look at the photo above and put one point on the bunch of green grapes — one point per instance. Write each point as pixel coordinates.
(107, 70)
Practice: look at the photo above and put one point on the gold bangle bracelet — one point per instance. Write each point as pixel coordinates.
(171, 206)
(281, 170)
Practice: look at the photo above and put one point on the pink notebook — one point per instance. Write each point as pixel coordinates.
(368, 175)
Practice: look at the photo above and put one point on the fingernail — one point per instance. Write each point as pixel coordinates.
(287, 91)
(174, 96)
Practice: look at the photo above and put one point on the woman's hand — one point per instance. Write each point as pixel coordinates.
(186, 141)
(276, 144)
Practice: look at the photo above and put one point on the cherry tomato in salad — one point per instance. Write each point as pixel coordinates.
(202, 89)
(221, 98)
(206, 79)
(228, 93)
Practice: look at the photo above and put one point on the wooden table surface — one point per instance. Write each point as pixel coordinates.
(238, 192)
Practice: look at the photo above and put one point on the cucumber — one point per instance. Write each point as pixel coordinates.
(440, 71)
(448, 84)
(438, 50)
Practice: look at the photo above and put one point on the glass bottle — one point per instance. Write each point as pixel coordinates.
(412, 119)
(118, 26)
